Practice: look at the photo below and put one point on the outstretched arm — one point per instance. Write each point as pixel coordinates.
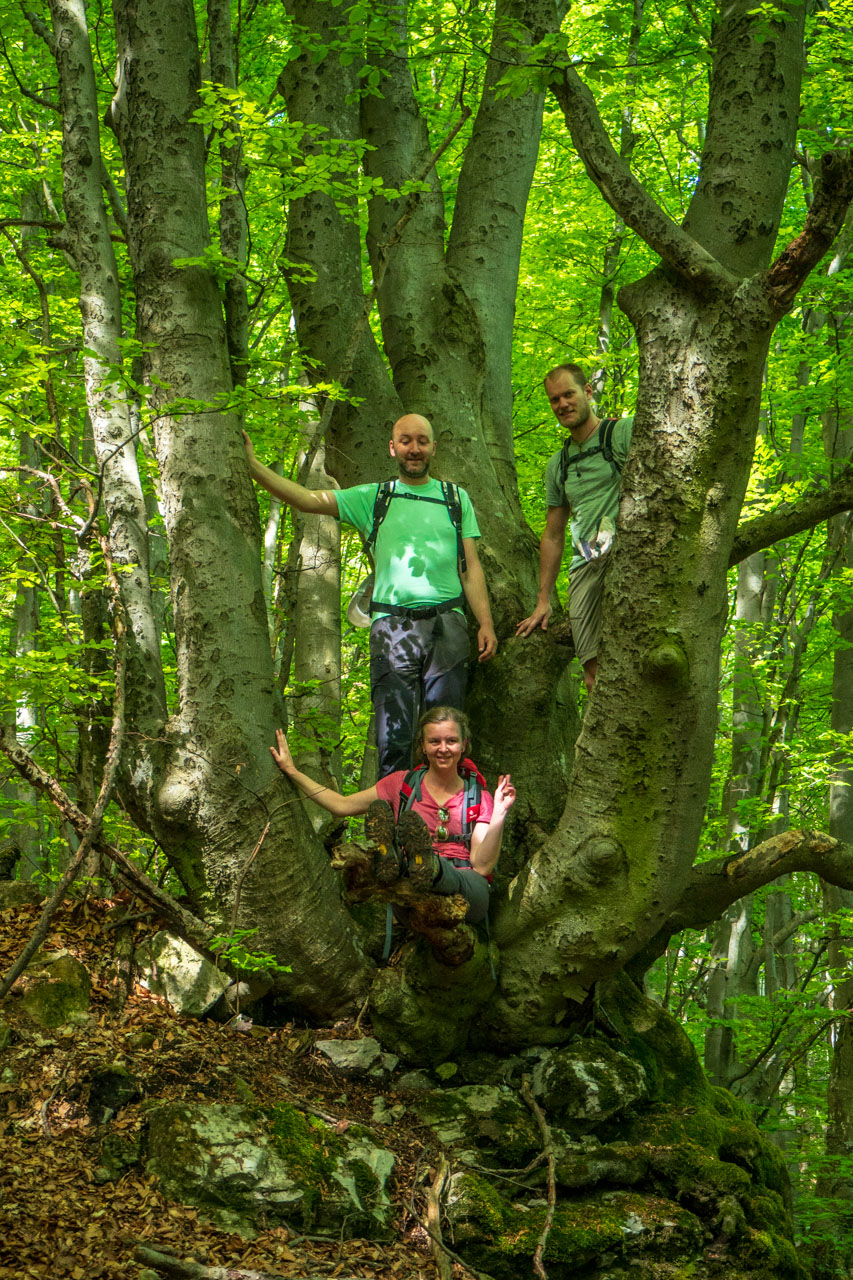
(474, 585)
(486, 836)
(551, 548)
(318, 502)
(341, 806)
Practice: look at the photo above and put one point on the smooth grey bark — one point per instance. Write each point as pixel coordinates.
(317, 642)
(25, 834)
(732, 948)
(621, 857)
(232, 826)
(616, 242)
(233, 217)
(91, 249)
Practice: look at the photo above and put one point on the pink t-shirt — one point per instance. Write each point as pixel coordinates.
(388, 788)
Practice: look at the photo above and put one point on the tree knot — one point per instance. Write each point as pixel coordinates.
(598, 861)
(667, 663)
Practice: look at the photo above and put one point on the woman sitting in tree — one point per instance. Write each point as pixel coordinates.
(436, 824)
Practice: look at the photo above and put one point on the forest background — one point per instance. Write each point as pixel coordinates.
(258, 225)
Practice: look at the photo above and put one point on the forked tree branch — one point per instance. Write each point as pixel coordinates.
(833, 193)
(626, 195)
(713, 886)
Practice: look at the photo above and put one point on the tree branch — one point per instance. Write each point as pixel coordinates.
(833, 193)
(715, 885)
(94, 824)
(626, 195)
(810, 510)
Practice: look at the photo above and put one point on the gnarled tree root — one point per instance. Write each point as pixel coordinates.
(438, 918)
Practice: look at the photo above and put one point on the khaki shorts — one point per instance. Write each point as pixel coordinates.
(586, 587)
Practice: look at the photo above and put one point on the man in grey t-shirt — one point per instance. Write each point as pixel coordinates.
(581, 483)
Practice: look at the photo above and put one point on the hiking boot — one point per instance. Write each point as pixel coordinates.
(381, 832)
(416, 842)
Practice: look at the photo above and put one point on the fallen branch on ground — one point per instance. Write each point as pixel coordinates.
(548, 1148)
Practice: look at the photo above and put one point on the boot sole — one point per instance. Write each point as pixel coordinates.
(380, 830)
(417, 843)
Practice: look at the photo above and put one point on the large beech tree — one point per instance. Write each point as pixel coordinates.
(615, 875)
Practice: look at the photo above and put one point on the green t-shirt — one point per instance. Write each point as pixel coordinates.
(415, 553)
(592, 487)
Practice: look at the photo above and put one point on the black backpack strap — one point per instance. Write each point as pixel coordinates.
(454, 508)
(381, 503)
(605, 432)
(604, 446)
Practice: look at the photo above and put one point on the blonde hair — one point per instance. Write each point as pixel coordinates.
(435, 715)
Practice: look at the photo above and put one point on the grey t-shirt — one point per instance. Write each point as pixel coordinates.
(591, 490)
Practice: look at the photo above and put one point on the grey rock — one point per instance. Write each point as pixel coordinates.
(171, 968)
(19, 893)
(586, 1083)
(416, 1080)
(111, 1088)
(488, 1117)
(247, 1166)
(354, 1058)
(58, 989)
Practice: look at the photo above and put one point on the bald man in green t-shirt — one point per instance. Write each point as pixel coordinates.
(418, 637)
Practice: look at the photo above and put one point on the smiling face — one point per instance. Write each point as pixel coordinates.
(569, 400)
(413, 446)
(442, 745)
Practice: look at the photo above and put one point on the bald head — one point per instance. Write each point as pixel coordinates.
(411, 423)
(413, 445)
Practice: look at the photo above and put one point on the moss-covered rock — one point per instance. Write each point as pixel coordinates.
(587, 1083)
(501, 1238)
(119, 1153)
(590, 1164)
(243, 1165)
(488, 1118)
(57, 989)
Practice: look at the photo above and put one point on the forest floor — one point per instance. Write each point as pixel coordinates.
(59, 1224)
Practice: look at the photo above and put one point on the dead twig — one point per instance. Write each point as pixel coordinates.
(45, 1123)
(434, 1194)
(188, 1269)
(548, 1148)
(454, 1257)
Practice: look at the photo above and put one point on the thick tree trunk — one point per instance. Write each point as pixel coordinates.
(629, 833)
(233, 827)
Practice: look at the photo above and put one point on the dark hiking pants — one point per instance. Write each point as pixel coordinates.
(415, 664)
(473, 887)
